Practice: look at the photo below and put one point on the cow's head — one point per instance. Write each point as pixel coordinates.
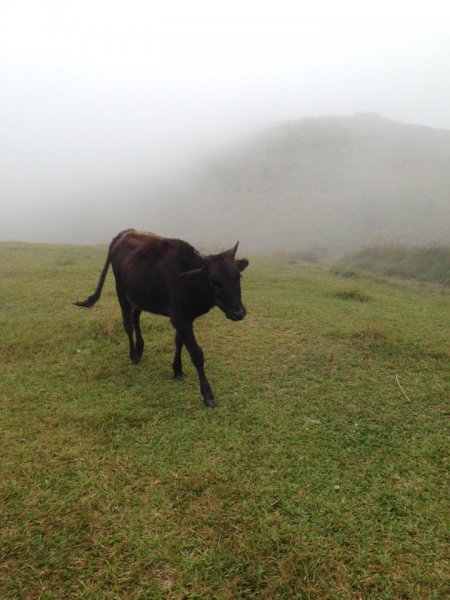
(223, 273)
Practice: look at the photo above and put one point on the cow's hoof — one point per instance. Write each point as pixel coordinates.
(211, 402)
(178, 376)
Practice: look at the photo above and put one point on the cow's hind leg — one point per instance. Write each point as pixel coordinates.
(177, 366)
(136, 313)
(186, 332)
(128, 324)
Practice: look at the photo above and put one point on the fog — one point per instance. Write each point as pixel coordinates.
(105, 105)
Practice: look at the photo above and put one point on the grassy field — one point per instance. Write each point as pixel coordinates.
(322, 474)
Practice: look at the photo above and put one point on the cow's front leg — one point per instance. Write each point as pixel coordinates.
(186, 332)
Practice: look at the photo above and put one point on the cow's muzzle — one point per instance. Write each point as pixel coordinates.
(236, 315)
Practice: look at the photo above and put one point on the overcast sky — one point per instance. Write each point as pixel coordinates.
(98, 91)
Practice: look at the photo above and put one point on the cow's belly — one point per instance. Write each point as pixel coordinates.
(146, 290)
(156, 304)
(157, 309)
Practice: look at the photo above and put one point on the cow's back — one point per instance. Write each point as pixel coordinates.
(147, 268)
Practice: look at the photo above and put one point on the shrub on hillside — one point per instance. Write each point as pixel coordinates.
(423, 263)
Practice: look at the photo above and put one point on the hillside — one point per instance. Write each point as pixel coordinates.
(335, 182)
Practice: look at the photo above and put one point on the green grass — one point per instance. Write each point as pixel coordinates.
(423, 263)
(318, 477)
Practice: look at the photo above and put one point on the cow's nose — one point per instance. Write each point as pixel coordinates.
(238, 315)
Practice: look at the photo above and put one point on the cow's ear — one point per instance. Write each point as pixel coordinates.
(242, 264)
(193, 275)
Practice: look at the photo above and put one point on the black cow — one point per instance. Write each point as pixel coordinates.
(169, 277)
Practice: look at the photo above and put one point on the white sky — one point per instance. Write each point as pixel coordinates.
(97, 91)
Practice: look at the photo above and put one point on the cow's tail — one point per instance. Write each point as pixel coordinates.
(89, 302)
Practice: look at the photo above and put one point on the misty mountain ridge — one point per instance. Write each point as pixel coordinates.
(333, 182)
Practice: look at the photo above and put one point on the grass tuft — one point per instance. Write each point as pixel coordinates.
(352, 294)
(346, 273)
